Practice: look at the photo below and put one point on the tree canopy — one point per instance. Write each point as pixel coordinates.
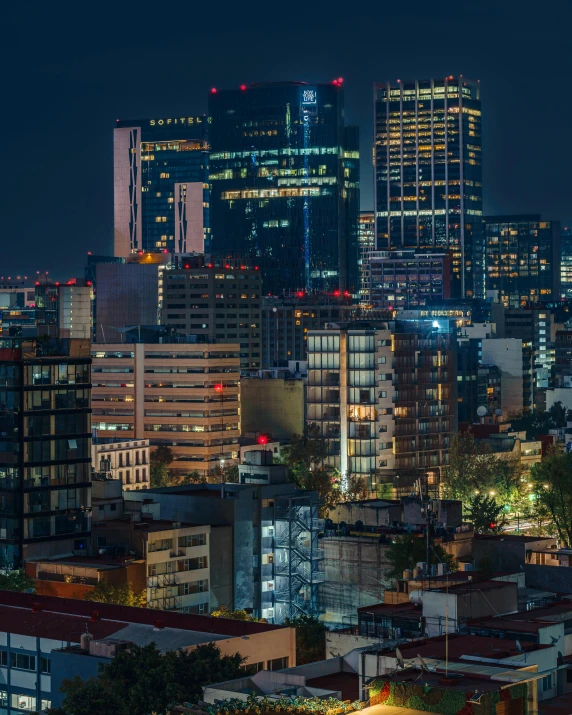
(538, 422)
(310, 638)
(121, 594)
(143, 681)
(159, 461)
(17, 581)
(552, 483)
(408, 550)
(474, 468)
(238, 615)
(487, 515)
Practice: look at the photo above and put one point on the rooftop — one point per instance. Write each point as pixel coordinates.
(59, 617)
(511, 538)
(467, 646)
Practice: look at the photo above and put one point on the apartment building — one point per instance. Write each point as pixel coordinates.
(185, 396)
(385, 398)
(127, 461)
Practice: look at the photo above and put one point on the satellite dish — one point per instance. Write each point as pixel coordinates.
(518, 646)
(423, 664)
(498, 412)
(482, 411)
(399, 658)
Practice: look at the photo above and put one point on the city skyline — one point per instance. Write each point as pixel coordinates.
(87, 78)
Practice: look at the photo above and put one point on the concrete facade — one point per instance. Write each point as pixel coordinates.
(274, 406)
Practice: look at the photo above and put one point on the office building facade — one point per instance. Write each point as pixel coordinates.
(403, 280)
(428, 174)
(286, 323)
(45, 475)
(170, 394)
(366, 239)
(126, 295)
(161, 189)
(218, 302)
(522, 259)
(384, 398)
(285, 184)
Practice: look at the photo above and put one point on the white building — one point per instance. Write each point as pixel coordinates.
(127, 460)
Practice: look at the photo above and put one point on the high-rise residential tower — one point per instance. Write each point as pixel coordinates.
(428, 174)
(161, 191)
(285, 184)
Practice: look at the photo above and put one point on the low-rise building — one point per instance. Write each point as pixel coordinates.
(76, 576)
(127, 461)
(44, 640)
(275, 559)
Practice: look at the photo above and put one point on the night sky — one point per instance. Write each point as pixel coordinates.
(69, 70)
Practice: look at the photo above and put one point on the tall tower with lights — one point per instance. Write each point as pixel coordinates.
(285, 184)
(428, 174)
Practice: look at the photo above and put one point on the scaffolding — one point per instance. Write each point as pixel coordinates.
(297, 557)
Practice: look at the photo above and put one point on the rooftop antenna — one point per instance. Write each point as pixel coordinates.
(399, 658)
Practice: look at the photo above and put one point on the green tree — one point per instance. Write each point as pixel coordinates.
(487, 515)
(160, 459)
(475, 468)
(17, 581)
(238, 615)
(305, 453)
(310, 638)
(121, 594)
(89, 697)
(537, 422)
(143, 681)
(408, 550)
(552, 481)
(228, 473)
(194, 477)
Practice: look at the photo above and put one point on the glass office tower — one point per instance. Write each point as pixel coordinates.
(428, 174)
(45, 448)
(522, 259)
(285, 184)
(161, 190)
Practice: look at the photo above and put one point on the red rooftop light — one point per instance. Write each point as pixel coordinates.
(262, 439)
(243, 87)
(218, 387)
(336, 292)
(213, 90)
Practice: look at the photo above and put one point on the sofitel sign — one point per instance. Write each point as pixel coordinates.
(179, 120)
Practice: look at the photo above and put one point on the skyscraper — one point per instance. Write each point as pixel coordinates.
(522, 259)
(161, 191)
(285, 184)
(428, 175)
